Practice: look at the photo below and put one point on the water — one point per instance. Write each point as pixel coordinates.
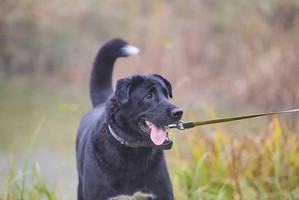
(23, 105)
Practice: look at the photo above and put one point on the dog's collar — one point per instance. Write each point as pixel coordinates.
(139, 143)
(126, 143)
(122, 141)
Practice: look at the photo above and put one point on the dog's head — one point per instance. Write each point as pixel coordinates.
(143, 109)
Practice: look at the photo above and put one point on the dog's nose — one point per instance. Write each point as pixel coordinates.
(177, 113)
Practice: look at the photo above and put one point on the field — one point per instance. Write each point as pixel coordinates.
(224, 58)
(251, 166)
(213, 162)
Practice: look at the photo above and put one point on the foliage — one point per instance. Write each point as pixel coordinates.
(222, 166)
(217, 166)
(204, 45)
(17, 187)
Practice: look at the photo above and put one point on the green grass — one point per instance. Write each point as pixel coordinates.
(17, 185)
(252, 166)
(205, 163)
(217, 166)
(28, 184)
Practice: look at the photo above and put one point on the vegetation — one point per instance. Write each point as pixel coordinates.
(17, 185)
(253, 166)
(216, 166)
(244, 44)
(29, 184)
(238, 55)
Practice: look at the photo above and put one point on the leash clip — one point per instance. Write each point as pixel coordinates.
(179, 126)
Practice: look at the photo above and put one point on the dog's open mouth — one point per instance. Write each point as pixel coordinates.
(158, 134)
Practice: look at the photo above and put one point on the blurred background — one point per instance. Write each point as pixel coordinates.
(235, 57)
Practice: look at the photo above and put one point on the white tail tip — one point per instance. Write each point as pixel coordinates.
(130, 50)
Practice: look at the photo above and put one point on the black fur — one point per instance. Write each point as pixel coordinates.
(101, 75)
(107, 168)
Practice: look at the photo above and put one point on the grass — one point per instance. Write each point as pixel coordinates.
(17, 185)
(253, 166)
(28, 184)
(205, 163)
(217, 166)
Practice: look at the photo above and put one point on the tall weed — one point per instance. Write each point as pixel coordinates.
(28, 184)
(255, 166)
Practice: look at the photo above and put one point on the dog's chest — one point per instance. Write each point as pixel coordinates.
(125, 159)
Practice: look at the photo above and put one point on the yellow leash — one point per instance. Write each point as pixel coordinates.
(186, 125)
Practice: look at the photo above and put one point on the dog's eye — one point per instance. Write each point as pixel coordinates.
(149, 96)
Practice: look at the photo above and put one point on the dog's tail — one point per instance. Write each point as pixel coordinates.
(100, 84)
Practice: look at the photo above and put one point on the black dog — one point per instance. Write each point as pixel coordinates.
(120, 141)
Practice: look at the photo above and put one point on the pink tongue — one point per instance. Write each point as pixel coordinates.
(158, 134)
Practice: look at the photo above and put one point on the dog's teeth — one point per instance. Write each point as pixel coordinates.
(148, 123)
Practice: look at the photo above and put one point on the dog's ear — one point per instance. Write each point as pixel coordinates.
(124, 87)
(166, 82)
(122, 90)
